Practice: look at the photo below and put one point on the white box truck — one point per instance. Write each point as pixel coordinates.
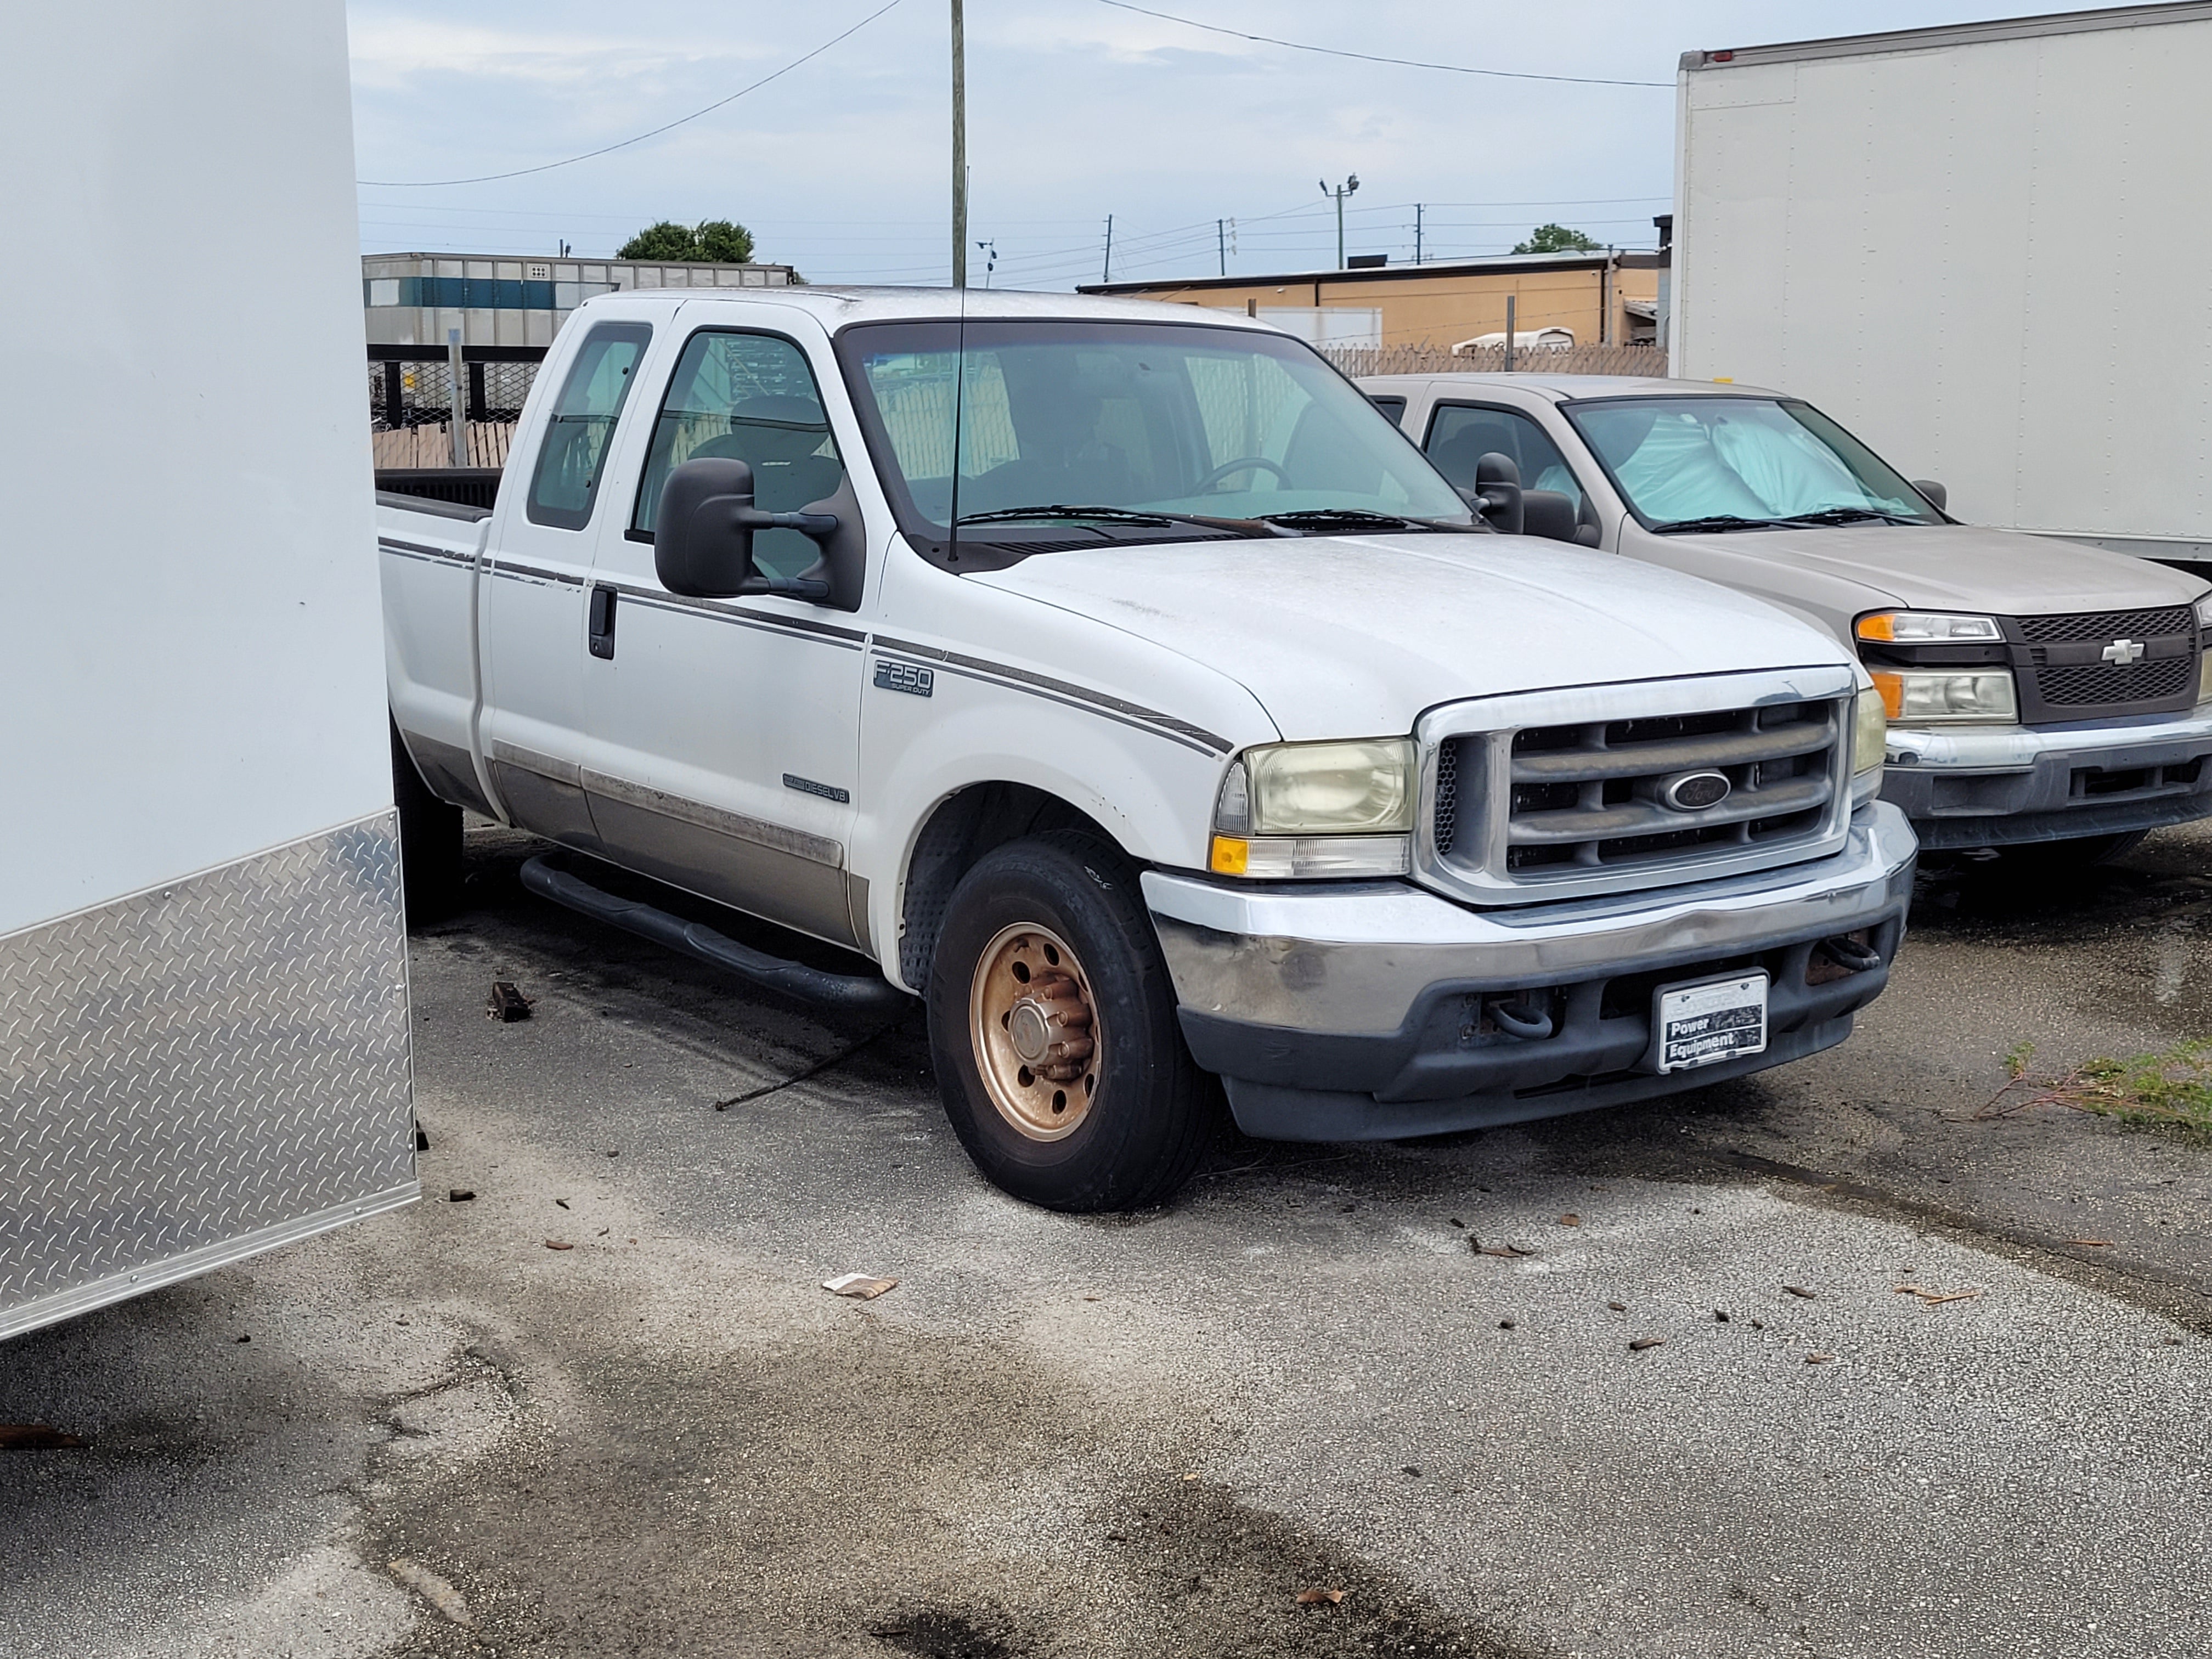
(203, 1028)
(1980, 249)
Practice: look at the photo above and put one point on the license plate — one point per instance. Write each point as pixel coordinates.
(1705, 1024)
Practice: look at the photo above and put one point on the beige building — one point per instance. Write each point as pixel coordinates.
(1602, 298)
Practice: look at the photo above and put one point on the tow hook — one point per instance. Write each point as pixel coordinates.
(1521, 1019)
(1852, 955)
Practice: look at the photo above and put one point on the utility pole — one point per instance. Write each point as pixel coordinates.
(959, 150)
(1107, 275)
(1416, 232)
(1221, 239)
(1351, 183)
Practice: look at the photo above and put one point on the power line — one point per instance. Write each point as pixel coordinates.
(1369, 57)
(607, 149)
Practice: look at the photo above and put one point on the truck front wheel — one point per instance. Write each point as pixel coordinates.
(1052, 1024)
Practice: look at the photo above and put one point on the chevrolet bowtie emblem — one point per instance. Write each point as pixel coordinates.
(2122, 652)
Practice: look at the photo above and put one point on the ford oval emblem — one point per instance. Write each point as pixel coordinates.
(1693, 791)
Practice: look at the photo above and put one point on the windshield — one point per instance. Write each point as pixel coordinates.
(1682, 461)
(1206, 423)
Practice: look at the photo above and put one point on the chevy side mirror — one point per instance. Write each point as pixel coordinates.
(1550, 513)
(703, 535)
(1936, 495)
(1498, 483)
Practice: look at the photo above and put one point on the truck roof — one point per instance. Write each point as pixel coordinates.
(1572, 388)
(1952, 35)
(838, 305)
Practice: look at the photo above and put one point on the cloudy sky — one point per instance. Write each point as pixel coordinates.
(1077, 109)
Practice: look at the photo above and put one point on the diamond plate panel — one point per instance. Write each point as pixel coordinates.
(215, 1058)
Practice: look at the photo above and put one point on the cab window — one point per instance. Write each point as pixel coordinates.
(566, 481)
(750, 397)
(1461, 434)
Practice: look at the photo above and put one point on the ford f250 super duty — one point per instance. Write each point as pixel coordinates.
(1121, 682)
(2044, 696)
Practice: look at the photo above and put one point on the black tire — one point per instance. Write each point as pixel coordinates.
(430, 842)
(1153, 1114)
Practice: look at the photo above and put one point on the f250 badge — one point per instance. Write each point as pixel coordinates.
(909, 677)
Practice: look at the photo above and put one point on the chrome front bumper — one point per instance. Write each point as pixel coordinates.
(1357, 1012)
(1979, 787)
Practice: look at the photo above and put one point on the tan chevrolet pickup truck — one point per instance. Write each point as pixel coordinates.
(2044, 696)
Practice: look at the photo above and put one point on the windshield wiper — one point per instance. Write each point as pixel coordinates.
(1848, 515)
(1126, 515)
(1321, 520)
(1719, 521)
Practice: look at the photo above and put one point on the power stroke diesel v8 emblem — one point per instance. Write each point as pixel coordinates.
(1693, 791)
(2122, 652)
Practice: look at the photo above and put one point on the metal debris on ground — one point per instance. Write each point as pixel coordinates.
(432, 1589)
(1799, 1289)
(1504, 1324)
(1933, 1298)
(460, 1195)
(37, 1437)
(1720, 1317)
(1316, 1596)
(507, 1004)
(863, 1285)
(1643, 1342)
(1617, 1307)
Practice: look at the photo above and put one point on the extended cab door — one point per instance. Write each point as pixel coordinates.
(723, 735)
(536, 584)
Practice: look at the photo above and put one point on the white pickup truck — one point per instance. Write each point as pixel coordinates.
(1124, 685)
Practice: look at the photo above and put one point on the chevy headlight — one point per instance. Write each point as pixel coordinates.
(1929, 628)
(1313, 810)
(1912, 696)
(2204, 661)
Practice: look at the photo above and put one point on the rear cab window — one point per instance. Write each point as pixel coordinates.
(565, 482)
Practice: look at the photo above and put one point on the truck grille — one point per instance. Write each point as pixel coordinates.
(2103, 626)
(2065, 674)
(2102, 682)
(1555, 807)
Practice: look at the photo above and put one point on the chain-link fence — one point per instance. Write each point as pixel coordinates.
(1647, 361)
(411, 386)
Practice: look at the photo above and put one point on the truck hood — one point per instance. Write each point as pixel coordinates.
(1355, 636)
(1939, 567)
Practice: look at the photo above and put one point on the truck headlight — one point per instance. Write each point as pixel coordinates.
(1929, 628)
(2204, 662)
(1312, 810)
(1911, 696)
(1869, 745)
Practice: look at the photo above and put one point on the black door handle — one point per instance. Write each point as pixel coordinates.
(601, 623)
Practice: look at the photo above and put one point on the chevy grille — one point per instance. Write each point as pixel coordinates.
(2065, 675)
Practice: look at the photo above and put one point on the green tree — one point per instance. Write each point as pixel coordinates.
(1555, 238)
(714, 241)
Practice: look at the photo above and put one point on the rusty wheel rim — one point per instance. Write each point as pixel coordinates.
(1038, 1041)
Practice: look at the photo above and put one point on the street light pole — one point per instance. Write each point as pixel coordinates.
(1350, 185)
(959, 150)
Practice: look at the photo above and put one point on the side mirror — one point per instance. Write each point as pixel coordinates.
(703, 535)
(1937, 496)
(1549, 514)
(1497, 482)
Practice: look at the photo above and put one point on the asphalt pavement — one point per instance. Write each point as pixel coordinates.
(1642, 1383)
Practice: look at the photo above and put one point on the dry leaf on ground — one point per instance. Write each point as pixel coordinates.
(865, 1286)
(1310, 1597)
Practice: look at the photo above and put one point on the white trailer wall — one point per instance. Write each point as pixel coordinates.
(203, 1045)
(1984, 249)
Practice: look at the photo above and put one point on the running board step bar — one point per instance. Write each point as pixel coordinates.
(861, 993)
